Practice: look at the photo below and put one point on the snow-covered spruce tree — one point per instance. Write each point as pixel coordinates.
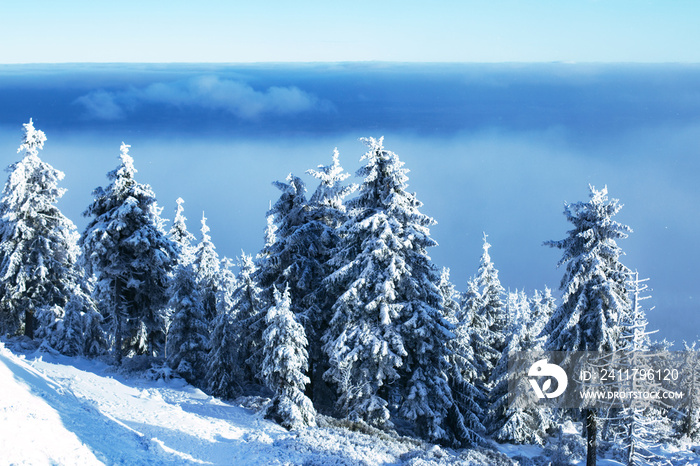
(287, 250)
(259, 300)
(480, 335)
(463, 372)
(188, 336)
(492, 313)
(79, 332)
(224, 368)
(38, 250)
(387, 323)
(690, 404)
(595, 287)
(635, 425)
(179, 235)
(517, 423)
(284, 366)
(127, 250)
(325, 215)
(206, 267)
(305, 237)
(542, 308)
(363, 342)
(237, 333)
(94, 337)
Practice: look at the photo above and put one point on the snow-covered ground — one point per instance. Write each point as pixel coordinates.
(72, 411)
(60, 410)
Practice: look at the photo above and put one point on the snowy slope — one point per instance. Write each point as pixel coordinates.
(72, 411)
(59, 410)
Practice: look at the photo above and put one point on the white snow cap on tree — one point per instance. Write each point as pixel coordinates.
(180, 235)
(34, 139)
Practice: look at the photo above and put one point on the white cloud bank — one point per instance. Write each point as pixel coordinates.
(205, 92)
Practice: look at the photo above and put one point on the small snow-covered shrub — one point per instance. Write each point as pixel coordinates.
(159, 371)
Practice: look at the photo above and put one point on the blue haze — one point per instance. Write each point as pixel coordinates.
(493, 148)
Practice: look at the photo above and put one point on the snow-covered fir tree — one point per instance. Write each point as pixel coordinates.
(259, 299)
(188, 335)
(284, 365)
(479, 336)
(689, 405)
(38, 244)
(491, 313)
(127, 250)
(515, 422)
(595, 285)
(305, 236)
(224, 368)
(636, 425)
(289, 250)
(542, 308)
(206, 267)
(387, 324)
(363, 342)
(463, 371)
(79, 331)
(595, 288)
(94, 337)
(326, 213)
(237, 333)
(181, 236)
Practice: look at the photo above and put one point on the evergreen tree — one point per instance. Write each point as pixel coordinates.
(237, 335)
(543, 307)
(179, 235)
(224, 363)
(284, 364)
(595, 291)
(636, 424)
(78, 331)
(479, 337)
(387, 323)
(206, 266)
(289, 248)
(38, 250)
(326, 214)
(689, 405)
(95, 339)
(491, 314)
(127, 250)
(188, 336)
(257, 300)
(466, 419)
(514, 422)
(305, 237)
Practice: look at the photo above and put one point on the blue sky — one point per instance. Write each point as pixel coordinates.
(493, 148)
(47, 31)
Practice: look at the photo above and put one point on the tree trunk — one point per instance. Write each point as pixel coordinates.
(118, 321)
(630, 451)
(29, 323)
(591, 437)
(309, 389)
